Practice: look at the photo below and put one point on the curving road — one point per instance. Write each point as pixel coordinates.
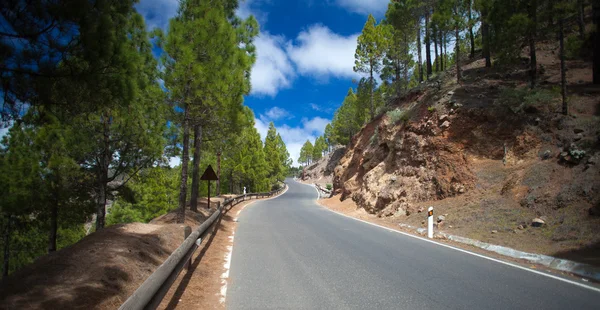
(290, 253)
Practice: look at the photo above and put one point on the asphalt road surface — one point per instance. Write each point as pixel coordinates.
(290, 253)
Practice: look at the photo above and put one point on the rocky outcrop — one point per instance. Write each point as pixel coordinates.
(390, 166)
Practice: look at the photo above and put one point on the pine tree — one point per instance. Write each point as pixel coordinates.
(306, 153)
(369, 52)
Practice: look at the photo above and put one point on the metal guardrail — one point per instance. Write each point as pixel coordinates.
(151, 293)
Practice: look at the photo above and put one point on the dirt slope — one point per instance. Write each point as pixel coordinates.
(100, 271)
(321, 171)
(486, 163)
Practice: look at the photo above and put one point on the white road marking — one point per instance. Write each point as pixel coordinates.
(461, 250)
(225, 274)
(227, 265)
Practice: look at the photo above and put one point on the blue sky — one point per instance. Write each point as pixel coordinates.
(305, 57)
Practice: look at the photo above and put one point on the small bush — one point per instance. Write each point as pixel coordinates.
(395, 115)
(431, 109)
(374, 137)
(573, 46)
(382, 109)
(519, 99)
(329, 186)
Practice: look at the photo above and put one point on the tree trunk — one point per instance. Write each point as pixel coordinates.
(372, 83)
(53, 226)
(406, 62)
(435, 47)
(457, 53)
(563, 69)
(485, 38)
(420, 64)
(442, 60)
(472, 37)
(103, 175)
(445, 39)
(531, 39)
(196, 168)
(427, 44)
(7, 232)
(580, 18)
(185, 158)
(596, 68)
(218, 193)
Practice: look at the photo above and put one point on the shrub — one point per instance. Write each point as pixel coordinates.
(381, 109)
(374, 137)
(573, 45)
(395, 115)
(519, 99)
(431, 109)
(329, 186)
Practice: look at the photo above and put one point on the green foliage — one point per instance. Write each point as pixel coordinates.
(329, 186)
(573, 46)
(276, 155)
(370, 49)
(396, 115)
(431, 109)
(154, 192)
(306, 153)
(375, 137)
(519, 99)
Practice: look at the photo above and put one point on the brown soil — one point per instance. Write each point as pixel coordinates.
(350, 208)
(200, 286)
(102, 270)
(321, 171)
(486, 164)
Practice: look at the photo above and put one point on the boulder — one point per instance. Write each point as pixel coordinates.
(421, 209)
(443, 117)
(547, 154)
(441, 218)
(445, 125)
(537, 222)
(494, 231)
(578, 130)
(578, 137)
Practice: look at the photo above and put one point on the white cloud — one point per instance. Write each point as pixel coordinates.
(294, 137)
(157, 12)
(276, 113)
(250, 7)
(273, 70)
(315, 125)
(174, 161)
(321, 53)
(375, 7)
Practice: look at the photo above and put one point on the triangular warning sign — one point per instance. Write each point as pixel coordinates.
(209, 174)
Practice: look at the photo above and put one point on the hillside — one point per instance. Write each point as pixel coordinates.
(321, 171)
(488, 154)
(100, 271)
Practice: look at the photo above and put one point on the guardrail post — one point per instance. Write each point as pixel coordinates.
(430, 222)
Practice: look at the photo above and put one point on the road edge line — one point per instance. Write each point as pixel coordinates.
(459, 249)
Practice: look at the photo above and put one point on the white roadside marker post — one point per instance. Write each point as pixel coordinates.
(430, 222)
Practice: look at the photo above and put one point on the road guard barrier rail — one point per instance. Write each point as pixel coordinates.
(151, 293)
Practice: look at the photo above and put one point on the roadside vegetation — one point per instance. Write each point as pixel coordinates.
(98, 106)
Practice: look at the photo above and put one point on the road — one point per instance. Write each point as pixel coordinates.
(290, 253)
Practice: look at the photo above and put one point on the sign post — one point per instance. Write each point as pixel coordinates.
(430, 222)
(209, 175)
